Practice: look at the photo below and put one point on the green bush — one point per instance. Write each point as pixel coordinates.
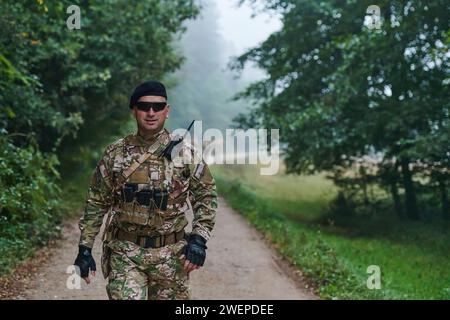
(29, 200)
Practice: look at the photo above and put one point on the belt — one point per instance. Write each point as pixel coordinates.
(150, 242)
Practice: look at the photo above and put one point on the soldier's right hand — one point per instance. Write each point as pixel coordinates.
(85, 262)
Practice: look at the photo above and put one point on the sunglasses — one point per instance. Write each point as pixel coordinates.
(146, 106)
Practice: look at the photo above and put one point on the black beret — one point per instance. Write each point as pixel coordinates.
(148, 88)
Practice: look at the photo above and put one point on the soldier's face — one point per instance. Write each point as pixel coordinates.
(151, 121)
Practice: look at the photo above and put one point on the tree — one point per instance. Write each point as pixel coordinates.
(339, 90)
(86, 75)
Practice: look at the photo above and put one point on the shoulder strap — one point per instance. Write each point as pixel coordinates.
(155, 148)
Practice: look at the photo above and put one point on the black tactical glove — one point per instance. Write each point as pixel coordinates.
(195, 250)
(85, 261)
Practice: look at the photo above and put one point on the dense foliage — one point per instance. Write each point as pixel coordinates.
(59, 88)
(368, 104)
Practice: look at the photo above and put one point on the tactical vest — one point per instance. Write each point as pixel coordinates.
(157, 189)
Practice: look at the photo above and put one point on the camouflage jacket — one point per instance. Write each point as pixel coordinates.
(184, 182)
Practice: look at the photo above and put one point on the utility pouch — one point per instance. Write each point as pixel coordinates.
(128, 192)
(109, 235)
(143, 197)
(160, 197)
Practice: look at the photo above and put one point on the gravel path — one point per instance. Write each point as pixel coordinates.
(239, 265)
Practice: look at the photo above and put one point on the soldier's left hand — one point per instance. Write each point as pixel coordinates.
(194, 253)
(188, 265)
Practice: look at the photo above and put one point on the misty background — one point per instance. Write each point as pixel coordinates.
(203, 88)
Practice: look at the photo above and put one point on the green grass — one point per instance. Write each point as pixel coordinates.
(413, 256)
(299, 197)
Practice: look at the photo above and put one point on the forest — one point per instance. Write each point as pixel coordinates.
(360, 95)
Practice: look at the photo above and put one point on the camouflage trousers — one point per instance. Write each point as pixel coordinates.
(147, 274)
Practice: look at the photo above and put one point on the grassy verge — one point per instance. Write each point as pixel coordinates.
(290, 210)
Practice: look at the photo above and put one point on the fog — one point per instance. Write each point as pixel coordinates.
(241, 31)
(204, 85)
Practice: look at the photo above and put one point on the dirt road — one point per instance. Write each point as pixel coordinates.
(239, 265)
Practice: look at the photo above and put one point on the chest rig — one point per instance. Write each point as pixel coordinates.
(148, 185)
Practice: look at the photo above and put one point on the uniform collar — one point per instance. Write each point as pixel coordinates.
(137, 140)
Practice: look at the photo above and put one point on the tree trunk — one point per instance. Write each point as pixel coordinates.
(364, 187)
(410, 193)
(396, 198)
(393, 177)
(444, 198)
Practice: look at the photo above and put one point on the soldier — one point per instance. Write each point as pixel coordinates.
(146, 252)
